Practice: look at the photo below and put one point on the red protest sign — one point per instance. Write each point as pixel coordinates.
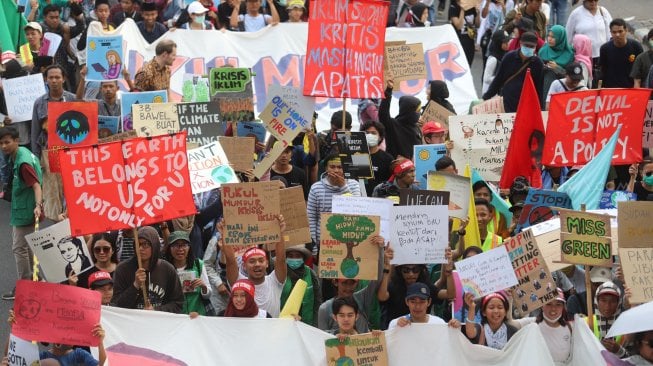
(70, 124)
(345, 48)
(127, 183)
(582, 122)
(49, 312)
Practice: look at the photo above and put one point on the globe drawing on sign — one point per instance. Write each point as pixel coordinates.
(222, 174)
(345, 361)
(72, 127)
(349, 267)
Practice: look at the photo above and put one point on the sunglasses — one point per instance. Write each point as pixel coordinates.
(407, 270)
(648, 174)
(102, 249)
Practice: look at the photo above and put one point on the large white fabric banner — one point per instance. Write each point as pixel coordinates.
(144, 338)
(276, 55)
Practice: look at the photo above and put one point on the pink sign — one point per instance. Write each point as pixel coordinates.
(50, 312)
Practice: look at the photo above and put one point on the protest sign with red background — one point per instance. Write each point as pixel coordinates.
(344, 57)
(70, 124)
(50, 312)
(582, 122)
(127, 183)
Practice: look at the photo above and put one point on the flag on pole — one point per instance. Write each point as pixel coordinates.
(472, 237)
(12, 35)
(499, 203)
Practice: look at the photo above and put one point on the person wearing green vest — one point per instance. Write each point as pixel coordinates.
(489, 240)
(608, 304)
(295, 258)
(192, 274)
(26, 199)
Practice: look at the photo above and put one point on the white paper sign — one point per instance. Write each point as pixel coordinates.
(58, 252)
(209, 168)
(20, 94)
(487, 272)
(419, 234)
(367, 206)
(21, 352)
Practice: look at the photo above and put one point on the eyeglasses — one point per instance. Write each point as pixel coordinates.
(102, 249)
(407, 270)
(180, 245)
(144, 244)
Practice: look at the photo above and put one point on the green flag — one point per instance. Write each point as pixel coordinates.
(12, 35)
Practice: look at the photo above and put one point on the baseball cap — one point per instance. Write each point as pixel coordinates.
(295, 4)
(574, 71)
(561, 295)
(178, 235)
(600, 275)
(99, 278)
(608, 288)
(196, 8)
(432, 127)
(35, 26)
(529, 38)
(418, 290)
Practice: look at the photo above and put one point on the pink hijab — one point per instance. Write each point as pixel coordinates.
(583, 51)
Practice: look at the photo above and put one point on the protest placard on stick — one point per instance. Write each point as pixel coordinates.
(293, 206)
(487, 272)
(585, 238)
(405, 62)
(239, 151)
(419, 234)
(250, 213)
(154, 119)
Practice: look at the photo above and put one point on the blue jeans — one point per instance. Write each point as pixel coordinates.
(559, 12)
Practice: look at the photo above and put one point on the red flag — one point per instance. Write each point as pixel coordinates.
(524, 155)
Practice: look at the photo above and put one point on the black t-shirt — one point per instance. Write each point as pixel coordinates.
(396, 306)
(296, 177)
(642, 193)
(617, 62)
(470, 17)
(381, 162)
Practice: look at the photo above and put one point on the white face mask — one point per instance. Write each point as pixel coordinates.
(551, 320)
(372, 140)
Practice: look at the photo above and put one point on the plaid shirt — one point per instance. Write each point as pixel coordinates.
(153, 77)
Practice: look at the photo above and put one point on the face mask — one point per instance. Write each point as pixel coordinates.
(550, 320)
(372, 140)
(295, 263)
(199, 19)
(648, 180)
(527, 51)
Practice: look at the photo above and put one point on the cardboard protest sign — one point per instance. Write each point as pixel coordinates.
(536, 285)
(209, 168)
(293, 207)
(637, 265)
(303, 105)
(118, 137)
(459, 188)
(635, 229)
(128, 99)
(436, 112)
(59, 253)
(70, 124)
(487, 272)
(647, 133)
(283, 120)
(107, 126)
(250, 213)
(482, 141)
(126, 184)
(239, 151)
(231, 88)
(547, 237)
(490, 106)
(358, 72)
(195, 88)
(585, 121)
(585, 238)
(201, 120)
(405, 62)
(346, 248)
(354, 154)
(610, 199)
(20, 95)
(104, 58)
(537, 206)
(351, 205)
(420, 234)
(417, 197)
(269, 159)
(22, 353)
(154, 119)
(360, 349)
(425, 157)
(54, 313)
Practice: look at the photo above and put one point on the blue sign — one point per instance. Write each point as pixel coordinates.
(128, 99)
(609, 198)
(425, 157)
(104, 58)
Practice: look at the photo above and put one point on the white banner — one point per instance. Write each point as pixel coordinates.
(138, 337)
(276, 55)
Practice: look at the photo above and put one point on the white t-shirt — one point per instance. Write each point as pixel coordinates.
(253, 24)
(558, 340)
(595, 27)
(558, 87)
(432, 320)
(267, 295)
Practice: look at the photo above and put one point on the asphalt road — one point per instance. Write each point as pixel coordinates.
(618, 8)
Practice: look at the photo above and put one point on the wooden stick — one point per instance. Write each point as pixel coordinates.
(588, 289)
(137, 249)
(344, 115)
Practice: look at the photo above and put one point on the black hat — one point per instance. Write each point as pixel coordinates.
(574, 71)
(418, 290)
(528, 37)
(148, 6)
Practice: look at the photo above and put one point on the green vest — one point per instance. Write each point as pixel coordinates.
(491, 241)
(193, 300)
(23, 200)
(308, 302)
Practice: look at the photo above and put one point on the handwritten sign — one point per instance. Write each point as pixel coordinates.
(459, 188)
(585, 238)
(346, 248)
(107, 126)
(536, 285)
(126, 184)
(634, 224)
(354, 154)
(490, 106)
(70, 124)
(58, 252)
(128, 99)
(104, 58)
(201, 120)
(250, 211)
(154, 119)
(419, 234)
(537, 206)
(487, 272)
(610, 199)
(20, 95)
(239, 151)
(229, 79)
(358, 72)
(293, 206)
(209, 168)
(362, 349)
(425, 157)
(22, 353)
(637, 265)
(417, 197)
(405, 62)
(482, 141)
(49, 312)
(647, 133)
(283, 120)
(436, 112)
(587, 119)
(351, 205)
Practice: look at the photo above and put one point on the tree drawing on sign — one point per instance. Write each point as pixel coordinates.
(351, 231)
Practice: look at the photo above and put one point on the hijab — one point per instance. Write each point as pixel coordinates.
(496, 44)
(251, 309)
(583, 51)
(562, 53)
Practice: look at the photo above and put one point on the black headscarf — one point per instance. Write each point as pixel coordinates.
(440, 93)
